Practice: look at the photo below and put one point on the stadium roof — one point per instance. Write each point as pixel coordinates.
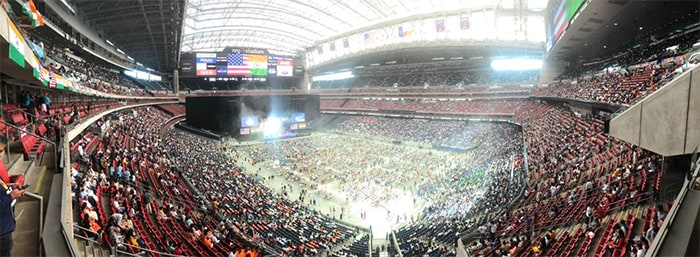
(154, 32)
(146, 30)
(291, 26)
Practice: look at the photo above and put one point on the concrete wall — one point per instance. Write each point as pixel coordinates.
(668, 121)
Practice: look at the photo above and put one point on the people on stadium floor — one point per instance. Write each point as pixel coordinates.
(249, 204)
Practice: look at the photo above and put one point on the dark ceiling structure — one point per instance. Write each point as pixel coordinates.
(607, 27)
(149, 31)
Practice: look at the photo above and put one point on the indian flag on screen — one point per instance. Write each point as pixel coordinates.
(246, 65)
(256, 63)
(16, 46)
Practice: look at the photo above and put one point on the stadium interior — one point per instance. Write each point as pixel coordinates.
(384, 128)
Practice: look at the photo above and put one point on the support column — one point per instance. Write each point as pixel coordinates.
(305, 83)
(176, 81)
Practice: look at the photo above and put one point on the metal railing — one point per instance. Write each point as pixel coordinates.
(114, 249)
(40, 224)
(395, 242)
(55, 145)
(66, 214)
(659, 240)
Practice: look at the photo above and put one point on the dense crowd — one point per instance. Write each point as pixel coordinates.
(286, 225)
(355, 169)
(456, 134)
(620, 87)
(575, 170)
(446, 79)
(124, 159)
(639, 72)
(87, 74)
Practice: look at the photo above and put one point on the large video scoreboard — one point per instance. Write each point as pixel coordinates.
(236, 62)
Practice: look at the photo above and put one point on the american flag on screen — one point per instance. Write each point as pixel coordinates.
(235, 66)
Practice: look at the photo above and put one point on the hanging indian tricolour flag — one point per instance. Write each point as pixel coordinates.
(30, 10)
(60, 81)
(36, 67)
(16, 46)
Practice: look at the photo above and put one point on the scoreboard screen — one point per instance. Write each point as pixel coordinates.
(236, 62)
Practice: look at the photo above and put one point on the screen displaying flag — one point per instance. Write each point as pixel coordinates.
(246, 65)
(346, 43)
(333, 46)
(464, 23)
(440, 25)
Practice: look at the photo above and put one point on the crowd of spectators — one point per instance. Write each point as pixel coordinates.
(575, 171)
(91, 75)
(436, 79)
(283, 224)
(456, 134)
(124, 159)
(483, 183)
(620, 87)
(487, 107)
(639, 72)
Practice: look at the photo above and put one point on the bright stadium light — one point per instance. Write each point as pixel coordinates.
(109, 42)
(334, 76)
(272, 126)
(516, 64)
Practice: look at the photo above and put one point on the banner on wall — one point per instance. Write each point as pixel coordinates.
(464, 23)
(440, 25)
